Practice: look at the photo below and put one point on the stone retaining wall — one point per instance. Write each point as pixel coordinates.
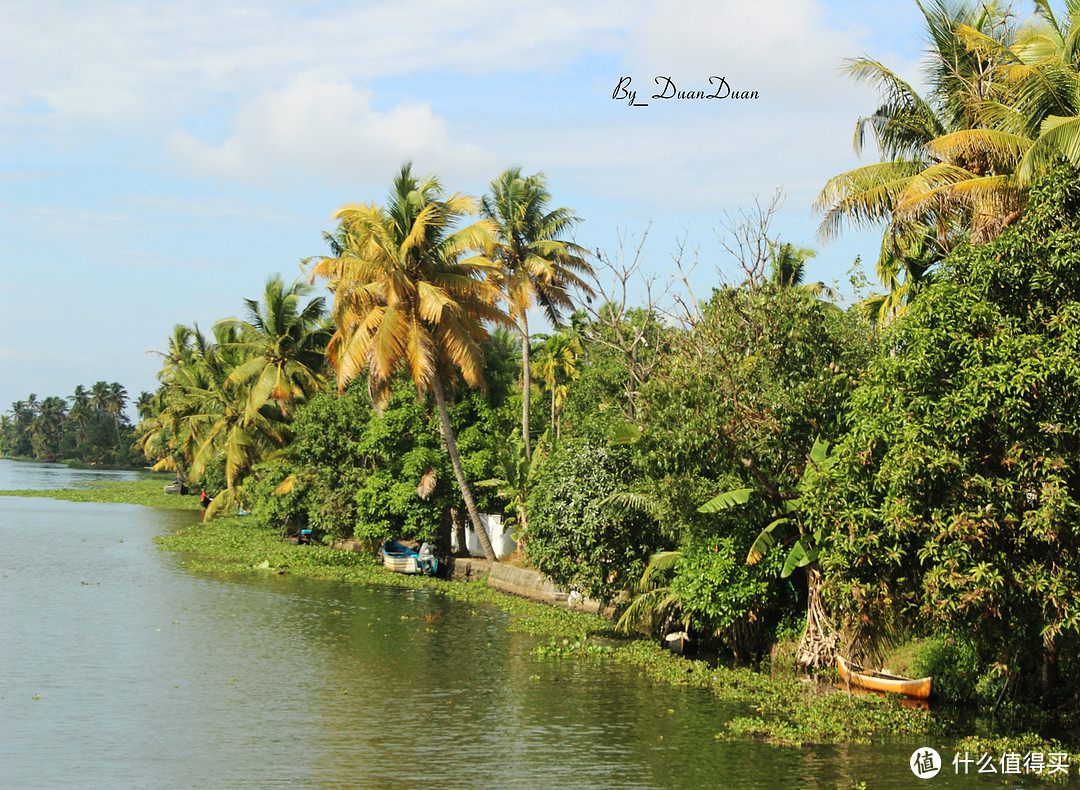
(525, 583)
(507, 579)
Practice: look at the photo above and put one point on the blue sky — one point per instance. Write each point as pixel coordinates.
(161, 160)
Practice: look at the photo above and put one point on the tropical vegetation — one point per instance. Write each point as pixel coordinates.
(757, 465)
(958, 163)
(89, 426)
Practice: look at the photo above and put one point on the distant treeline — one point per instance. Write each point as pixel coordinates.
(88, 426)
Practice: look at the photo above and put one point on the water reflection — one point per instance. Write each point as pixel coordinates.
(124, 671)
(22, 476)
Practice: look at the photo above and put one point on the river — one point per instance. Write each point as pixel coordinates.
(122, 670)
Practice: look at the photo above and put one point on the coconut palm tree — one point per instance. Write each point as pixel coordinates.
(22, 417)
(948, 173)
(179, 352)
(558, 367)
(1039, 105)
(8, 434)
(200, 417)
(144, 406)
(412, 294)
(47, 429)
(285, 346)
(788, 269)
(80, 414)
(537, 264)
(117, 400)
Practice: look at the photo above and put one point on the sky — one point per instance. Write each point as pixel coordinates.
(160, 160)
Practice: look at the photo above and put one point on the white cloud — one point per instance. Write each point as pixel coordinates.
(785, 49)
(322, 125)
(74, 68)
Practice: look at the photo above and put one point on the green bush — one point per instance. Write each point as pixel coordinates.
(573, 537)
(954, 665)
(954, 500)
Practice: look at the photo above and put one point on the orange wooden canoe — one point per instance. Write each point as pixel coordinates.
(879, 681)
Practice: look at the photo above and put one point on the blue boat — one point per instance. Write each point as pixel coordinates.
(402, 559)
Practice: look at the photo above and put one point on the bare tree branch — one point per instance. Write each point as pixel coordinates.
(745, 236)
(627, 335)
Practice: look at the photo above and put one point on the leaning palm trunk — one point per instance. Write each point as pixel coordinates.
(526, 381)
(818, 643)
(455, 461)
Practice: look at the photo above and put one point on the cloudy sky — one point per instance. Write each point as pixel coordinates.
(162, 159)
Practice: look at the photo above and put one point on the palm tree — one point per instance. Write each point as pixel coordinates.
(22, 417)
(284, 345)
(47, 429)
(116, 401)
(412, 294)
(99, 398)
(1039, 106)
(788, 269)
(947, 172)
(537, 264)
(180, 350)
(80, 413)
(8, 434)
(144, 406)
(558, 367)
(199, 417)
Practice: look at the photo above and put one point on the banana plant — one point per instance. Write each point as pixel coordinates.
(807, 546)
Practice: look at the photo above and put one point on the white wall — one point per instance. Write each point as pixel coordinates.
(503, 543)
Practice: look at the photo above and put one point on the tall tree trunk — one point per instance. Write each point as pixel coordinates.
(455, 461)
(526, 380)
(553, 414)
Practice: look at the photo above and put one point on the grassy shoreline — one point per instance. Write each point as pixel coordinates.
(780, 708)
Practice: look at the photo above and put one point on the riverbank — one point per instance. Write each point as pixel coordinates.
(74, 463)
(148, 492)
(780, 708)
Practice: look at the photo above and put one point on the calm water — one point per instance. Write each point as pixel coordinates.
(121, 670)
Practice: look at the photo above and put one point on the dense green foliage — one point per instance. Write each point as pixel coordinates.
(736, 402)
(88, 427)
(953, 502)
(572, 536)
(353, 472)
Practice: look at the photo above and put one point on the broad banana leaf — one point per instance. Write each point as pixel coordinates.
(765, 541)
(819, 452)
(801, 555)
(726, 500)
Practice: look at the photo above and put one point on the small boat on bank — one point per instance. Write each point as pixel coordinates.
(879, 681)
(402, 559)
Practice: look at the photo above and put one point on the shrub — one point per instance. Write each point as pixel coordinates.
(572, 537)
